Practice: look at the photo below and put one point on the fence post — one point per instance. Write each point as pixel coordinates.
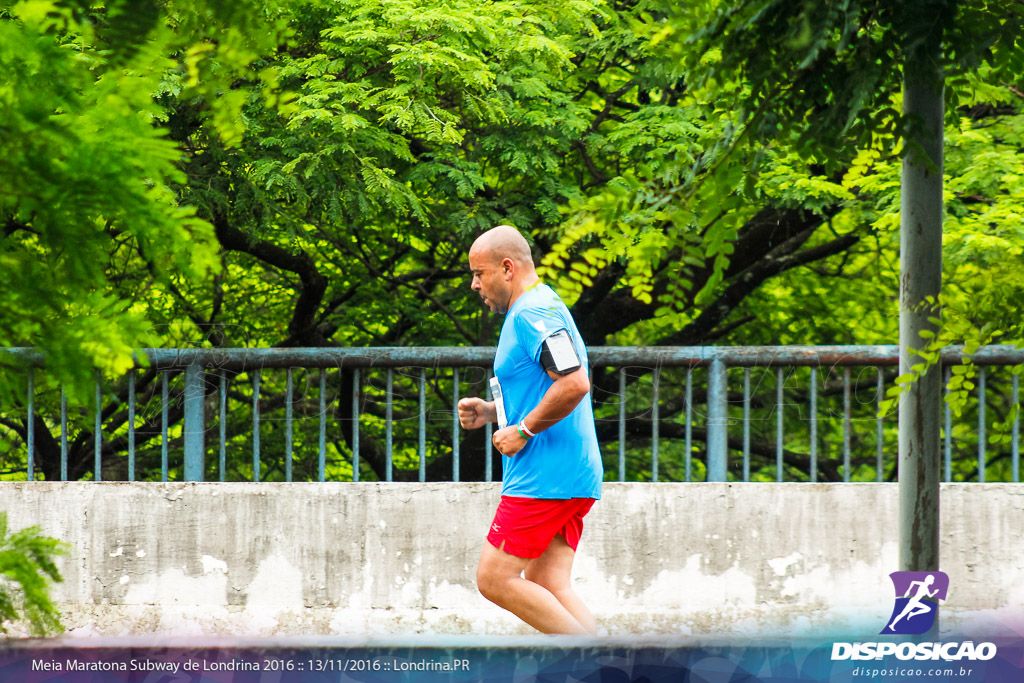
(194, 422)
(718, 420)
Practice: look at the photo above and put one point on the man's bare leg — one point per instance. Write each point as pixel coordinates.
(499, 578)
(553, 570)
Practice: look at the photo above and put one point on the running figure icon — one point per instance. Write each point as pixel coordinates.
(918, 595)
(916, 607)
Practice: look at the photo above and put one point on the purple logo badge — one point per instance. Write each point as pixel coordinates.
(917, 601)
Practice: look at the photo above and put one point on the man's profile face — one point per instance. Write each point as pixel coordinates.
(489, 279)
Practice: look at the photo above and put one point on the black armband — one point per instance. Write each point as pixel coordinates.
(559, 355)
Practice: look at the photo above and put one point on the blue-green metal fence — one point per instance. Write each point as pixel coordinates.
(644, 401)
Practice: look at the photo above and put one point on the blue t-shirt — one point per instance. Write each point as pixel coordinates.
(563, 461)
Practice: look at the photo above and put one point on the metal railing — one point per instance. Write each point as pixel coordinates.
(797, 413)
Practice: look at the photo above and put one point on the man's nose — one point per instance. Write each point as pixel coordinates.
(475, 284)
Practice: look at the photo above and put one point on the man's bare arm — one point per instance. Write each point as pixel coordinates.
(559, 400)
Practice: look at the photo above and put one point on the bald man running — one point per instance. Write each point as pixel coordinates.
(552, 466)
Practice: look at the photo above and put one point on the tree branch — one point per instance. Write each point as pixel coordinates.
(745, 284)
(302, 328)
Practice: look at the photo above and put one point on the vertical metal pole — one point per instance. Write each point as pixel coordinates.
(814, 424)
(423, 427)
(746, 424)
(194, 423)
(388, 421)
(920, 284)
(948, 430)
(1015, 433)
(288, 391)
(455, 424)
(355, 425)
(718, 416)
(846, 425)
(688, 442)
(321, 466)
(131, 428)
(163, 426)
(223, 422)
(30, 435)
(98, 441)
(488, 446)
(655, 419)
(779, 381)
(64, 430)
(879, 432)
(256, 425)
(982, 462)
(622, 424)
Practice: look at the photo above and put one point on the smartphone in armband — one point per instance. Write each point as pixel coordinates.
(499, 403)
(559, 355)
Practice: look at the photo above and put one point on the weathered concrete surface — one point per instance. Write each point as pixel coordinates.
(755, 559)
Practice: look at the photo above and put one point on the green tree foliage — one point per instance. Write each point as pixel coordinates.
(28, 570)
(363, 199)
(85, 181)
(820, 83)
(810, 83)
(670, 200)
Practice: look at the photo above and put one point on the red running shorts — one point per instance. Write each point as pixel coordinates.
(526, 526)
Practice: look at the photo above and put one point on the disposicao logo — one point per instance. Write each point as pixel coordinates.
(917, 601)
(918, 595)
(953, 651)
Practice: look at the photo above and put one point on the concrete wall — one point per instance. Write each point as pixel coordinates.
(337, 558)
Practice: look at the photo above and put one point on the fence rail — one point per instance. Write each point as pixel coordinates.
(644, 403)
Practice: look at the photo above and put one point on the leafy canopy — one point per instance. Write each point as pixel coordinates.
(87, 171)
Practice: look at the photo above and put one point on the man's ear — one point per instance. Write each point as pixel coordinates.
(510, 268)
